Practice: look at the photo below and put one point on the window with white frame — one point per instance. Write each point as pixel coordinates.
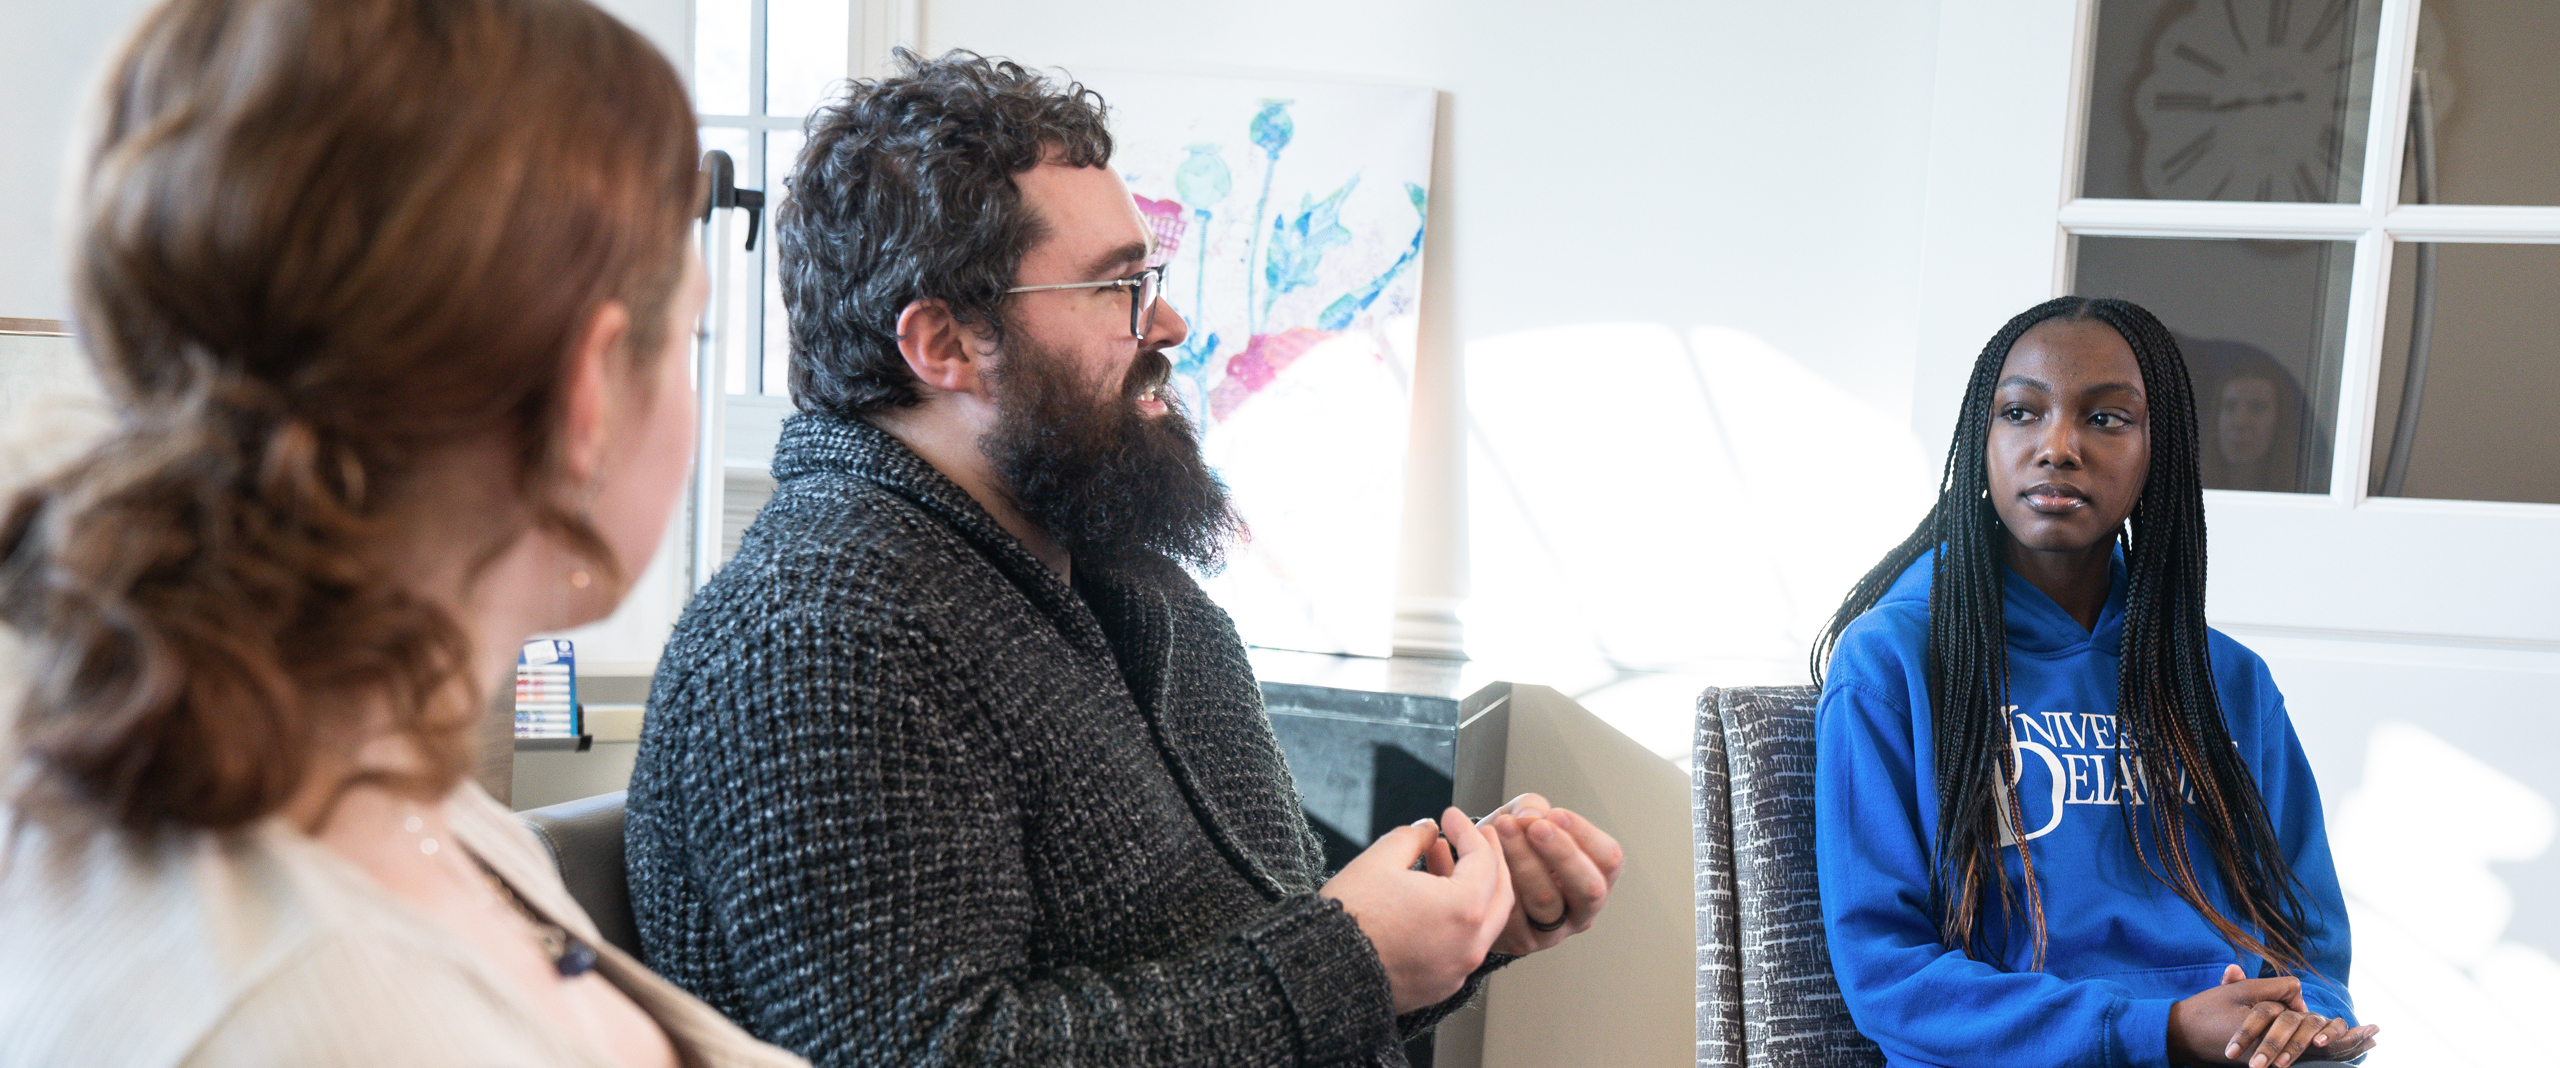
(760, 67)
(2350, 213)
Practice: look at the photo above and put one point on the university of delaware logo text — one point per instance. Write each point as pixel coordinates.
(2064, 759)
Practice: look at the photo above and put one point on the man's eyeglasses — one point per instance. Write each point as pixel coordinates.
(1143, 290)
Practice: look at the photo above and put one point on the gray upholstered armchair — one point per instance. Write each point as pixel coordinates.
(1766, 998)
(585, 840)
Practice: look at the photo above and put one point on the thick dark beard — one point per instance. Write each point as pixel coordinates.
(1113, 486)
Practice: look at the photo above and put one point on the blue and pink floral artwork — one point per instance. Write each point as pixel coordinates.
(1289, 216)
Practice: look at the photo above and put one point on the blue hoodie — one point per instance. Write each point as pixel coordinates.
(2121, 947)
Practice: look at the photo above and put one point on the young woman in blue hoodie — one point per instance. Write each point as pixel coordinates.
(2059, 821)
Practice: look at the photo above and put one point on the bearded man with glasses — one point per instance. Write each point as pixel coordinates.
(954, 763)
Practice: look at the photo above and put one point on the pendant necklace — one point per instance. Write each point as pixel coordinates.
(570, 956)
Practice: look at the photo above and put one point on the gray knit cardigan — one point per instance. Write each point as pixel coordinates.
(904, 797)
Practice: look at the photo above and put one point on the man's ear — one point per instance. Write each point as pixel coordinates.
(943, 352)
(586, 391)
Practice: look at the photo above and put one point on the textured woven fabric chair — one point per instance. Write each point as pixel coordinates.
(1766, 998)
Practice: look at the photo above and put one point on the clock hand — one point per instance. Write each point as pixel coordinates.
(2271, 99)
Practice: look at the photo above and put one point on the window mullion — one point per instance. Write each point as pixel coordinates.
(2200, 218)
(2395, 53)
(756, 55)
(2360, 372)
(2537, 224)
(752, 170)
(2075, 121)
(2360, 369)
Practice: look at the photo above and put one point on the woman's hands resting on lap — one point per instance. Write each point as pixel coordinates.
(2262, 1023)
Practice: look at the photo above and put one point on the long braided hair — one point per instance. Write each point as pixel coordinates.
(2170, 730)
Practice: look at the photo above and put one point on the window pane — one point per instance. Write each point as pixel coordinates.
(2231, 100)
(806, 54)
(781, 147)
(2483, 128)
(720, 56)
(738, 287)
(2262, 325)
(2480, 324)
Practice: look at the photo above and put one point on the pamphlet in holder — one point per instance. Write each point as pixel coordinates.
(547, 689)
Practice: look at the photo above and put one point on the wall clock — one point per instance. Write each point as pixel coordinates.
(2252, 100)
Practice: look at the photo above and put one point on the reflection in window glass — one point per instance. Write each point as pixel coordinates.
(2480, 327)
(2233, 100)
(2482, 125)
(720, 56)
(2262, 325)
(806, 54)
(781, 148)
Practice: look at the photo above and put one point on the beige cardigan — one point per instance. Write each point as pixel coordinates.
(263, 948)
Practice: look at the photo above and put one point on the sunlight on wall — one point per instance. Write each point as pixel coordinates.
(1836, 480)
(1644, 500)
(2413, 847)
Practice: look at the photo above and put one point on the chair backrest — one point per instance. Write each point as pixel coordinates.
(1766, 996)
(585, 839)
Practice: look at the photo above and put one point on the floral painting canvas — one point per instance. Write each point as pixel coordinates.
(1289, 217)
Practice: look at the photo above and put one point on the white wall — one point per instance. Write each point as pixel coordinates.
(1605, 170)
(51, 57)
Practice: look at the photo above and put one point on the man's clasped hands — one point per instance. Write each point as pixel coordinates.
(1524, 878)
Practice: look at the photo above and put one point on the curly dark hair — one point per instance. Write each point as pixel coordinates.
(904, 192)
